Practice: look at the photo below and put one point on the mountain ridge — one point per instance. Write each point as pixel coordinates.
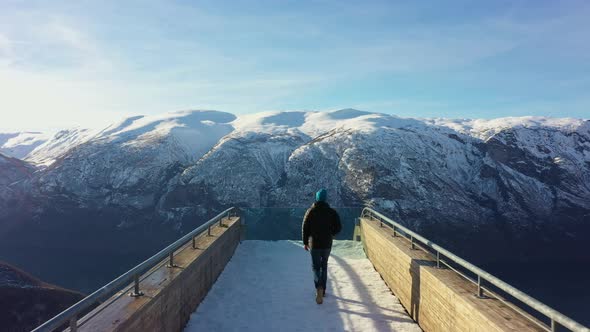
(517, 173)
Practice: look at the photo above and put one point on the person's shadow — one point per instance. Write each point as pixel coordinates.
(374, 312)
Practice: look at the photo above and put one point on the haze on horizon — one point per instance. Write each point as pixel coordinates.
(88, 63)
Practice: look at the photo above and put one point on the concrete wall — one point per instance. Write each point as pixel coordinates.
(171, 294)
(438, 299)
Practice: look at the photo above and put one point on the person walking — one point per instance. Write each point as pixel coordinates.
(320, 224)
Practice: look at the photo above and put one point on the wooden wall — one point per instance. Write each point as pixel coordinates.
(438, 299)
(171, 294)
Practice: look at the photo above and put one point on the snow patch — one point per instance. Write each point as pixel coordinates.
(54, 148)
(19, 145)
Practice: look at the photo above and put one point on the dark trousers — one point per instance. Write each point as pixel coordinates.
(319, 264)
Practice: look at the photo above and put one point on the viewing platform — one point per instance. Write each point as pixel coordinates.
(268, 286)
(385, 278)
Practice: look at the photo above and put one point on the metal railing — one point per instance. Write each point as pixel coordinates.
(72, 314)
(553, 315)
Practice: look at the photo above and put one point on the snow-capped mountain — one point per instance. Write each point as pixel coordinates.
(128, 163)
(19, 145)
(520, 171)
(524, 170)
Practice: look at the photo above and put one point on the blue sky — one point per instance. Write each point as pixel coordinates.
(88, 63)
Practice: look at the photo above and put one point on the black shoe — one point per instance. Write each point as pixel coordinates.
(324, 295)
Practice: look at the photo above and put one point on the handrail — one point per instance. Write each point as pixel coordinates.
(552, 314)
(71, 314)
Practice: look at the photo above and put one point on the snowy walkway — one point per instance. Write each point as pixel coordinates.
(268, 286)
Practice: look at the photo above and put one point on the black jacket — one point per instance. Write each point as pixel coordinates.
(320, 223)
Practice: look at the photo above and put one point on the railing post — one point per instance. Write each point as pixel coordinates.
(479, 289)
(194, 243)
(74, 323)
(136, 292)
(394, 233)
(437, 259)
(412, 242)
(209, 231)
(553, 325)
(171, 260)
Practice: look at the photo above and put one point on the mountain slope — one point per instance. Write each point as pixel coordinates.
(58, 145)
(19, 145)
(13, 176)
(26, 302)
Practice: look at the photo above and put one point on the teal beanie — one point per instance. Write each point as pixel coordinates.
(321, 195)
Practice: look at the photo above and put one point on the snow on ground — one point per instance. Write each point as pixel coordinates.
(268, 286)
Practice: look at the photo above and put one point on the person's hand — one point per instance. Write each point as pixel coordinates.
(306, 247)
